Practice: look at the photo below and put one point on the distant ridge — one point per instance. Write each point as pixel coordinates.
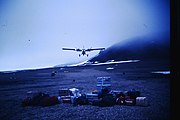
(141, 48)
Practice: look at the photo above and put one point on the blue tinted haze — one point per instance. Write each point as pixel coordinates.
(33, 32)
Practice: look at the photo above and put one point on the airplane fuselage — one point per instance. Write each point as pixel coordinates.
(83, 52)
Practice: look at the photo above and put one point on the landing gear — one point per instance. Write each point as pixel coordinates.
(79, 55)
(87, 55)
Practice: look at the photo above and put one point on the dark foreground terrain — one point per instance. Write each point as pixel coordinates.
(127, 76)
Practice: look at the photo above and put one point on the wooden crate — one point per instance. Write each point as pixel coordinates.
(103, 82)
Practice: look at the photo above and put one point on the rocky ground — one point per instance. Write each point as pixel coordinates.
(127, 76)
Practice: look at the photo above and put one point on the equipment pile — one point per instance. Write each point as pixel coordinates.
(103, 96)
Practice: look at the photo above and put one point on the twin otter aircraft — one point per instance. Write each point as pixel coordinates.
(83, 50)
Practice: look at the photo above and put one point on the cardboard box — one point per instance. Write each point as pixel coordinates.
(64, 92)
(141, 101)
(91, 97)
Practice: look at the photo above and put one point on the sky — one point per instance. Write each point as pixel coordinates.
(33, 32)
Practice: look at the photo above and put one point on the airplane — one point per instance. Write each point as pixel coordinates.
(83, 50)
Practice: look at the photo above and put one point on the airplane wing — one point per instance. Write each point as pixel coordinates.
(78, 49)
(68, 49)
(95, 49)
(71, 49)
